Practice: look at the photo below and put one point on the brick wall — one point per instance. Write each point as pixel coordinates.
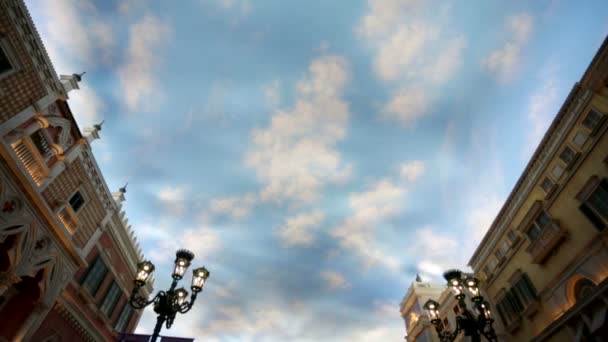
(22, 88)
(91, 214)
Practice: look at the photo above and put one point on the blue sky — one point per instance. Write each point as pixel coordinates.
(315, 155)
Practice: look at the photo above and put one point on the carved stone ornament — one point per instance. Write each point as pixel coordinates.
(65, 125)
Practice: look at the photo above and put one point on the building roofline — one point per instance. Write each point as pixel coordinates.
(587, 80)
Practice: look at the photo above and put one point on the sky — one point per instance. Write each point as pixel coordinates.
(315, 155)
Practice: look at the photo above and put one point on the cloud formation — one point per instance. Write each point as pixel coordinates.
(411, 170)
(503, 62)
(235, 207)
(370, 208)
(295, 156)
(414, 54)
(300, 230)
(139, 74)
(334, 280)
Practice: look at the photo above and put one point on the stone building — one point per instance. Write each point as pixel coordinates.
(544, 260)
(67, 253)
(417, 325)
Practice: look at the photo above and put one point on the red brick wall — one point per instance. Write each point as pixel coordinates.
(55, 324)
(23, 88)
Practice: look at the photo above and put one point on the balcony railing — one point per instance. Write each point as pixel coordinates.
(548, 240)
(68, 217)
(31, 159)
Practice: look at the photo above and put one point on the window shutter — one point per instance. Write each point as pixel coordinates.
(597, 222)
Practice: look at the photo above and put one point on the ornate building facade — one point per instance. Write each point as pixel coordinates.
(67, 253)
(544, 260)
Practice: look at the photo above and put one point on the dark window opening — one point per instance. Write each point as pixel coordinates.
(592, 119)
(95, 276)
(76, 201)
(5, 62)
(41, 143)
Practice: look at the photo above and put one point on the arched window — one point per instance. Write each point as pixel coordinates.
(583, 289)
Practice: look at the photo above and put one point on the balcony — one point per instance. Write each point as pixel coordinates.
(68, 217)
(31, 159)
(548, 240)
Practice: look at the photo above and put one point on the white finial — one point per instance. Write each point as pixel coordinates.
(70, 82)
(92, 133)
(119, 197)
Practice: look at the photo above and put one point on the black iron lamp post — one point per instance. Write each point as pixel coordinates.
(168, 303)
(473, 325)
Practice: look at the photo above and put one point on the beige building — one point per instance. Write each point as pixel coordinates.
(417, 324)
(544, 260)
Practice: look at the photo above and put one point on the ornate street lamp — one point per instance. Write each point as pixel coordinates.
(473, 325)
(168, 303)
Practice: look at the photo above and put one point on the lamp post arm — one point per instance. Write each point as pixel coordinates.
(186, 306)
(139, 302)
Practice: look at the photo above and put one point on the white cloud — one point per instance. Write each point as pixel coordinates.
(334, 280)
(235, 207)
(504, 61)
(75, 34)
(414, 55)
(86, 105)
(410, 171)
(435, 252)
(403, 49)
(407, 105)
(173, 199)
(481, 215)
(384, 14)
(168, 238)
(138, 76)
(295, 156)
(357, 234)
(447, 62)
(299, 230)
(542, 107)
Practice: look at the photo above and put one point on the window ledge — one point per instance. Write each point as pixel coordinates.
(548, 240)
(514, 325)
(531, 309)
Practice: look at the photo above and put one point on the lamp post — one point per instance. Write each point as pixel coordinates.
(168, 303)
(473, 325)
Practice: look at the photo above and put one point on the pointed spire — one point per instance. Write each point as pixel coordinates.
(418, 279)
(78, 77)
(98, 126)
(92, 133)
(70, 82)
(119, 196)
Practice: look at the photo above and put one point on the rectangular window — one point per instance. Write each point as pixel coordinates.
(41, 143)
(580, 139)
(76, 201)
(95, 276)
(567, 155)
(110, 300)
(557, 172)
(124, 318)
(7, 62)
(595, 207)
(592, 119)
(525, 291)
(547, 185)
(512, 236)
(542, 220)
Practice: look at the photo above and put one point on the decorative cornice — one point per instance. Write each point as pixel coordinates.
(552, 139)
(29, 35)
